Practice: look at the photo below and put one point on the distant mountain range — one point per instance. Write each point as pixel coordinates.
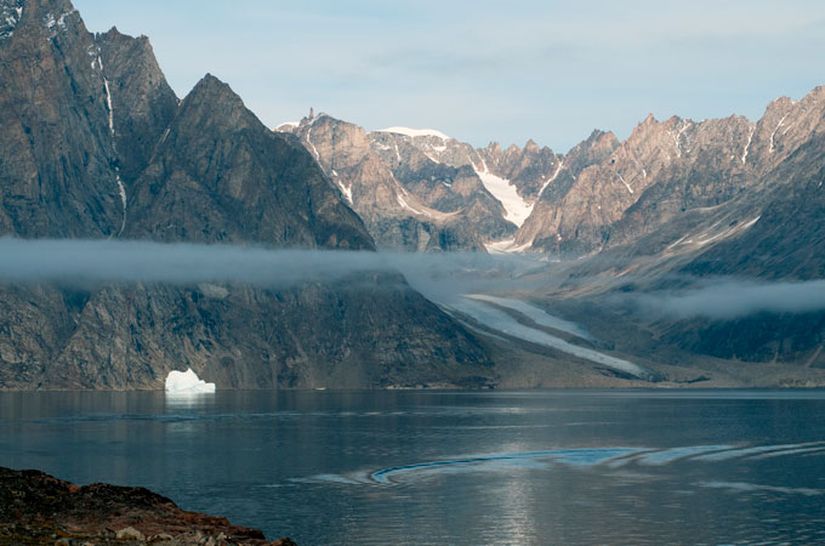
(422, 190)
(96, 145)
(677, 199)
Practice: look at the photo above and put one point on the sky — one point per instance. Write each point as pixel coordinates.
(486, 70)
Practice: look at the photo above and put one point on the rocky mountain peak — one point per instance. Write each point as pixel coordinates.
(649, 121)
(142, 102)
(219, 175)
(531, 146)
(211, 87)
(115, 35)
(44, 19)
(493, 147)
(597, 140)
(213, 102)
(785, 126)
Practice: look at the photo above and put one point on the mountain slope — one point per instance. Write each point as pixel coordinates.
(757, 223)
(143, 105)
(57, 159)
(219, 175)
(106, 150)
(422, 190)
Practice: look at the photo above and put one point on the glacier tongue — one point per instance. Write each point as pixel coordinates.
(187, 382)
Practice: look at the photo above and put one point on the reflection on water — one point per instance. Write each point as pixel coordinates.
(598, 467)
(189, 400)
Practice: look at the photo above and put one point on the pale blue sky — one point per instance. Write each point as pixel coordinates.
(486, 70)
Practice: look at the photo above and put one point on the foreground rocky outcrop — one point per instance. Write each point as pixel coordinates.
(36, 508)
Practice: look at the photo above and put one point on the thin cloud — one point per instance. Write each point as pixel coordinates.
(84, 262)
(727, 299)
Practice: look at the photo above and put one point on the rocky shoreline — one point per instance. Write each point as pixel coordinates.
(36, 509)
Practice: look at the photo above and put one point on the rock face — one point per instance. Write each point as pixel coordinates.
(663, 169)
(667, 172)
(216, 163)
(36, 508)
(739, 200)
(95, 144)
(421, 190)
(239, 337)
(143, 105)
(57, 157)
(788, 239)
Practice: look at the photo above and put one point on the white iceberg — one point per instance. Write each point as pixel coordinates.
(187, 382)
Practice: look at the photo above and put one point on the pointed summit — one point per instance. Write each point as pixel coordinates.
(212, 86)
(143, 104)
(220, 175)
(213, 102)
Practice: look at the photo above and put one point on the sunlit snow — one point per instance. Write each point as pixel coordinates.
(500, 321)
(406, 131)
(516, 209)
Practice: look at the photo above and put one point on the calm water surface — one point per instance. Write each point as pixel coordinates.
(596, 467)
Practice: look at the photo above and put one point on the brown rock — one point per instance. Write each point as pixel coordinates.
(35, 508)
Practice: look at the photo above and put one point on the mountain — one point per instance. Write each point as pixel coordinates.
(216, 162)
(787, 240)
(98, 146)
(740, 202)
(421, 190)
(57, 155)
(142, 103)
(677, 199)
(667, 171)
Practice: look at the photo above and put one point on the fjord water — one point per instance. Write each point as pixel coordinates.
(562, 467)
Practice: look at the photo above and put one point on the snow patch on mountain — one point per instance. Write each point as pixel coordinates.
(748, 145)
(516, 209)
(552, 179)
(287, 126)
(10, 16)
(413, 133)
(404, 205)
(626, 185)
(773, 135)
(507, 246)
(346, 190)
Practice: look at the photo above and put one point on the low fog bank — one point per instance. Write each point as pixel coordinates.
(84, 262)
(443, 277)
(727, 299)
